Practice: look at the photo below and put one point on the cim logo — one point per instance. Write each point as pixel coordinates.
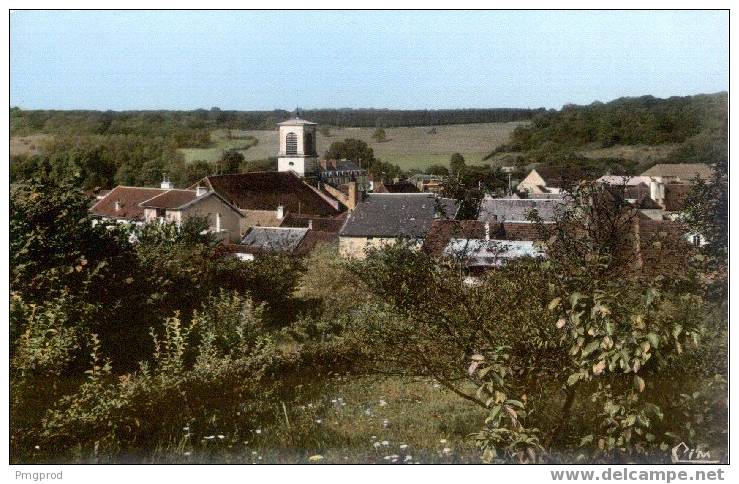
(682, 454)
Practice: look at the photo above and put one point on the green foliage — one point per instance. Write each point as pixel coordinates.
(379, 135)
(456, 164)
(439, 170)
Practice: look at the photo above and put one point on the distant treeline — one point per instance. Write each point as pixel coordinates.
(625, 121)
(188, 126)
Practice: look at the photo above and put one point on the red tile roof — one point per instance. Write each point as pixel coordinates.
(171, 199)
(129, 199)
(266, 190)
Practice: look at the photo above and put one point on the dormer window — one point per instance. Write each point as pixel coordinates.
(117, 205)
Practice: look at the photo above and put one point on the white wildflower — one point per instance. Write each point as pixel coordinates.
(403, 446)
(443, 441)
(259, 431)
(407, 458)
(376, 445)
(188, 454)
(221, 436)
(385, 443)
(447, 450)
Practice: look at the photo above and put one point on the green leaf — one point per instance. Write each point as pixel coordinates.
(554, 303)
(653, 339)
(574, 378)
(588, 439)
(639, 383)
(592, 346)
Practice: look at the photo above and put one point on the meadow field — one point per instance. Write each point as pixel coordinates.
(410, 147)
(357, 419)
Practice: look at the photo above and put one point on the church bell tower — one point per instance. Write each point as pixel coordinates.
(297, 147)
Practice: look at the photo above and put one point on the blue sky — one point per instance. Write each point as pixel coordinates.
(433, 60)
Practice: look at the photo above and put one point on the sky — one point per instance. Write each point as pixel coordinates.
(267, 60)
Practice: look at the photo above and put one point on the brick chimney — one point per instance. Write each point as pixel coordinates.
(487, 230)
(280, 212)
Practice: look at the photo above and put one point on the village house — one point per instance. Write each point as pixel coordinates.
(385, 218)
(265, 198)
(138, 205)
(298, 242)
(481, 245)
(342, 172)
(679, 172)
(541, 182)
(427, 183)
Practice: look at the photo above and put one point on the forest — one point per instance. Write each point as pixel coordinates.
(698, 124)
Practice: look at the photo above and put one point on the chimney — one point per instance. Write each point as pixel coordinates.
(657, 191)
(166, 184)
(352, 198)
(117, 205)
(200, 191)
(310, 224)
(487, 230)
(280, 212)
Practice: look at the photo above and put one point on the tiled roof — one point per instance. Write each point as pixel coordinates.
(273, 239)
(397, 215)
(266, 190)
(517, 210)
(441, 231)
(321, 224)
(129, 199)
(171, 199)
(684, 171)
(399, 187)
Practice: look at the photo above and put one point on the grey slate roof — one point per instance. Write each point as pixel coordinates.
(274, 238)
(517, 210)
(397, 215)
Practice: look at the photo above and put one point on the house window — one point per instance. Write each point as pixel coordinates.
(291, 144)
(309, 143)
(697, 240)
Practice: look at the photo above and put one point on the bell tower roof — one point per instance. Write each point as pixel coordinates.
(296, 122)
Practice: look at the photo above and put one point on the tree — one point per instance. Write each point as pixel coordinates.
(456, 164)
(351, 149)
(439, 170)
(230, 162)
(379, 135)
(325, 131)
(707, 213)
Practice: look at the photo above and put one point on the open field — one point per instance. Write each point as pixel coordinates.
(27, 145)
(409, 147)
